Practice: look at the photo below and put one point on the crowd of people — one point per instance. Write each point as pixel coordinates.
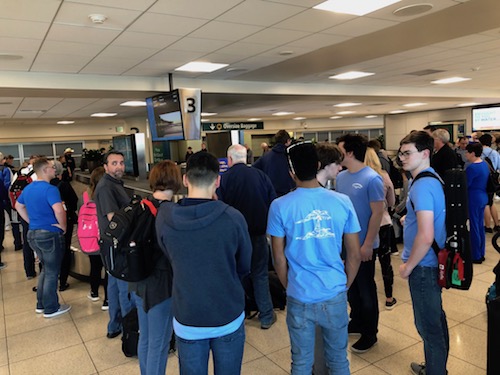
(328, 211)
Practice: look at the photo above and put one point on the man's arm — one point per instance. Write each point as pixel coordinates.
(421, 245)
(353, 259)
(21, 210)
(280, 264)
(373, 228)
(60, 214)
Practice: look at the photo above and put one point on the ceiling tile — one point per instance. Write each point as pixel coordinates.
(316, 41)
(146, 40)
(80, 34)
(359, 26)
(273, 36)
(166, 24)
(39, 103)
(141, 5)
(198, 45)
(68, 106)
(19, 44)
(257, 12)
(29, 10)
(194, 8)
(225, 31)
(313, 20)
(78, 49)
(127, 53)
(301, 3)
(244, 49)
(18, 65)
(23, 29)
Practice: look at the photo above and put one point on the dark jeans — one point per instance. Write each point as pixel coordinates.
(430, 318)
(95, 275)
(363, 300)
(14, 222)
(66, 261)
(2, 229)
(260, 278)
(28, 255)
(384, 257)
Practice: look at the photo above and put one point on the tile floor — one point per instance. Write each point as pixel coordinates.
(75, 343)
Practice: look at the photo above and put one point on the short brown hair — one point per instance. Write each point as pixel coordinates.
(165, 176)
(40, 163)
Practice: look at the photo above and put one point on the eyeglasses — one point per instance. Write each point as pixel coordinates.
(406, 154)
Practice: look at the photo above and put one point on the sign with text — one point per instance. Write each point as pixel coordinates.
(227, 126)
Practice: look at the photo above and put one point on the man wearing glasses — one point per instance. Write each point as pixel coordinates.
(41, 207)
(424, 222)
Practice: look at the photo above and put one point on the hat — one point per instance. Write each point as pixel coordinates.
(69, 149)
(303, 160)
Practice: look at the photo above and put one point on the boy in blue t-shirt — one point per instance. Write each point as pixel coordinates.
(424, 222)
(306, 228)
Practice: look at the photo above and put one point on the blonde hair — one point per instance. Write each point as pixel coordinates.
(372, 160)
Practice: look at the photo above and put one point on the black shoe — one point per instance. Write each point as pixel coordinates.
(63, 287)
(17, 248)
(488, 230)
(478, 261)
(112, 335)
(352, 330)
(364, 344)
(497, 228)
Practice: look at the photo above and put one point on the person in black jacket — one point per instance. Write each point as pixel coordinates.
(444, 157)
(70, 201)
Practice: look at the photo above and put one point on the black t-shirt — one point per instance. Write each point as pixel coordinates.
(109, 196)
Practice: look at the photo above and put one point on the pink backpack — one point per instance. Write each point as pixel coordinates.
(88, 229)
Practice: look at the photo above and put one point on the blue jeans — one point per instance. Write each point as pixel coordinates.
(260, 278)
(156, 330)
(227, 353)
(430, 318)
(49, 247)
(119, 303)
(332, 317)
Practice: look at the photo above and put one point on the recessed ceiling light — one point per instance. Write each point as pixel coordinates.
(134, 103)
(445, 81)
(397, 111)
(345, 112)
(299, 118)
(254, 119)
(335, 117)
(10, 56)
(351, 75)
(207, 114)
(65, 122)
(414, 104)
(371, 116)
(282, 113)
(103, 114)
(286, 53)
(357, 8)
(413, 10)
(346, 104)
(467, 104)
(200, 67)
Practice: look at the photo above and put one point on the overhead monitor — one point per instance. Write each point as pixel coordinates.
(486, 118)
(165, 116)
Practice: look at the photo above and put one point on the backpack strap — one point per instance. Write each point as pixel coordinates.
(423, 174)
(151, 206)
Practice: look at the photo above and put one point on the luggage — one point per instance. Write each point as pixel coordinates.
(88, 228)
(130, 337)
(18, 186)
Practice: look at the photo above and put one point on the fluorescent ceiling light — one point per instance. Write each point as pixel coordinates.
(346, 104)
(254, 119)
(445, 81)
(134, 103)
(414, 104)
(299, 118)
(351, 75)
(357, 8)
(282, 113)
(335, 117)
(467, 104)
(103, 114)
(346, 112)
(397, 111)
(200, 67)
(206, 114)
(371, 116)
(65, 122)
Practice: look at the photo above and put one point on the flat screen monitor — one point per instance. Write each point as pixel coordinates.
(486, 118)
(165, 116)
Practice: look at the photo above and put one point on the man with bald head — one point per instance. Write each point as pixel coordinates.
(250, 191)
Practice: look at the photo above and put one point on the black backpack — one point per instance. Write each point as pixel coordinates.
(395, 175)
(18, 186)
(127, 244)
(130, 337)
(493, 185)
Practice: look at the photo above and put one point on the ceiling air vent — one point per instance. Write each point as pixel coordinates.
(425, 72)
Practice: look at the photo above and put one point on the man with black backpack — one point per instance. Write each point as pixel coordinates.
(109, 197)
(424, 223)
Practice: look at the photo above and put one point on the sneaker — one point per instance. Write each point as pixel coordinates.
(352, 331)
(268, 325)
(63, 287)
(30, 277)
(364, 344)
(395, 253)
(39, 311)
(93, 297)
(112, 335)
(2, 265)
(62, 309)
(105, 306)
(418, 369)
(390, 305)
(488, 230)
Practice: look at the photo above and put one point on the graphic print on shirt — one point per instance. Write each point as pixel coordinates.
(317, 216)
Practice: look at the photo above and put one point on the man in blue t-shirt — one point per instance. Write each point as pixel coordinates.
(306, 228)
(424, 222)
(366, 189)
(41, 207)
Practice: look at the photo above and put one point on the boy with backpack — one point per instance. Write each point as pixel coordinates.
(424, 223)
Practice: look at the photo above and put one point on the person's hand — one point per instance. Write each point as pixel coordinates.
(404, 271)
(366, 253)
(402, 220)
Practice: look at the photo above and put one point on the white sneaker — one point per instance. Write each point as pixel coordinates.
(62, 309)
(39, 311)
(92, 297)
